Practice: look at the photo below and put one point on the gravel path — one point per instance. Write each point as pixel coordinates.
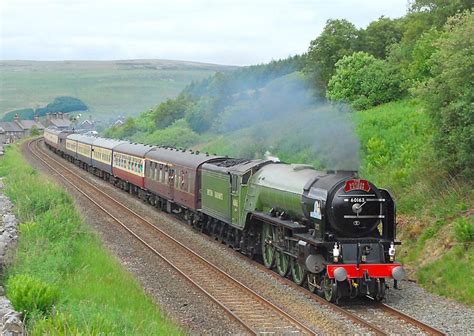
(198, 315)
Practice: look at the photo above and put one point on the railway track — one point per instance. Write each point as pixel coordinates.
(363, 313)
(256, 314)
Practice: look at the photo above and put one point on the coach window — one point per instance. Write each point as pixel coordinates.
(190, 183)
(176, 175)
(184, 177)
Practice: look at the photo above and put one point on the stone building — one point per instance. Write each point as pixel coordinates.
(29, 125)
(59, 120)
(12, 130)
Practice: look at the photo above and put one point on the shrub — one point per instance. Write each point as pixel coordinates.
(464, 229)
(448, 95)
(364, 81)
(29, 294)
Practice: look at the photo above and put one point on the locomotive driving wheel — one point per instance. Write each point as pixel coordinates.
(329, 288)
(282, 261)
(298, 273)
(268, 250)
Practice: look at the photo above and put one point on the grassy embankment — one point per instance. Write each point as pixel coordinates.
(436, 223)
(61, 275)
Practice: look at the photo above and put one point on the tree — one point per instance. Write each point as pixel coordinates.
(419, 68)
(35, 131)
(379, 35)
(449, 94)
(364, 81)
(202, 114)
(339, 38)
(440, 10)
(171, 110)
(128, 128)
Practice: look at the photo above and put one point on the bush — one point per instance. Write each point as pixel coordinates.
(364, 81)
(29, 294)
(448, 95)
(464, 229)
(178, 135)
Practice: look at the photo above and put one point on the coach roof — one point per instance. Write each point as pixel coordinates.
(53, 130)
(82, 138)
(107, 143)
(184, 158)
(134, 149)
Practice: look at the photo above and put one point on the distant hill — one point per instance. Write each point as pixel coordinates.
(108, 88)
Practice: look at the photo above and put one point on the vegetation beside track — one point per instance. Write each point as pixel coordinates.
(61, 276)
(435, 211)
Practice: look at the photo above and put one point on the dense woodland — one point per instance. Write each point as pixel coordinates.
(393, 100)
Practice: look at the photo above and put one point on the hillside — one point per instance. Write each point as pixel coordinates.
(109, 88)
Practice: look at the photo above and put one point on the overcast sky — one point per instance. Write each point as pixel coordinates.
(217, 31)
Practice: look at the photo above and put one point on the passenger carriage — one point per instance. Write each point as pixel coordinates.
(51, 137)
(176, 175)
(102, 156)
(79, 146)
(129, 165)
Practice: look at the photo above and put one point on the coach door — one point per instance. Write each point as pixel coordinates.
(171, 182)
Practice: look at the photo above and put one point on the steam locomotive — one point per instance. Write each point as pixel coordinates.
(328, 230)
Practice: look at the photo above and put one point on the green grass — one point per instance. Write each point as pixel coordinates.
(109, 88)
(451, 275)
(58, 251)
